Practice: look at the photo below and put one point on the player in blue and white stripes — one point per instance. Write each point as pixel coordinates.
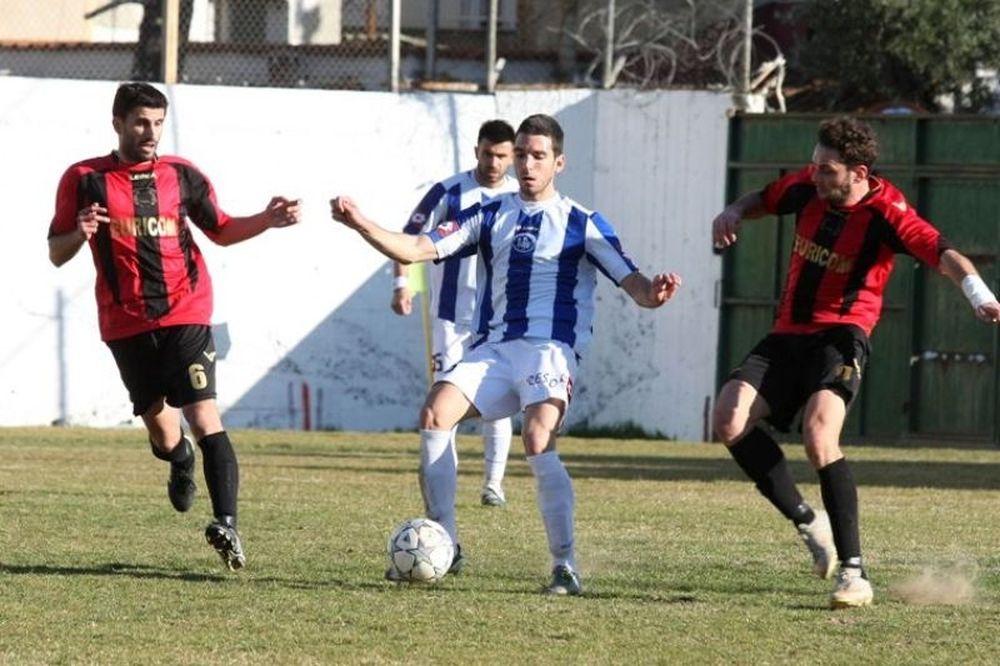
(453, 281)
(540, 254)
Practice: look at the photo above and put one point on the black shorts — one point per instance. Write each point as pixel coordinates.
(176, 363)
(786, 369)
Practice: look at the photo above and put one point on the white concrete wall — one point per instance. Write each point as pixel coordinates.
(308, 306)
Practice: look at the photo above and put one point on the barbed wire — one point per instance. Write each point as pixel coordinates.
(348, 44)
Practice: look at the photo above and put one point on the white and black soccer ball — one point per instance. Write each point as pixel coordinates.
(420, 551)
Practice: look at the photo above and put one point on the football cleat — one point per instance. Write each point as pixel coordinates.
(565, 582)
(818, 537)
(457, 562)
(852, 589)
(181, 486)
(493, 496)
(224, 538)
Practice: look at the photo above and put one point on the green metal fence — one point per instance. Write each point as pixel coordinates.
(934, 371)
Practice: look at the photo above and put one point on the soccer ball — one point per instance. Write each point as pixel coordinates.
(420, 551)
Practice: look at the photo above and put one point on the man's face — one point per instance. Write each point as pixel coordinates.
(492, 161)
(139, 133)
(536, 165)
(833, 178)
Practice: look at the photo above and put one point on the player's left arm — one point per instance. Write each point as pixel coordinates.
(960, 270)
(651, 292)
(918, 237)
(279, 212)
(604, 250)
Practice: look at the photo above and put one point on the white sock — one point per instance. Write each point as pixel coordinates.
(438, 477)
(556, 502)
(496, 448)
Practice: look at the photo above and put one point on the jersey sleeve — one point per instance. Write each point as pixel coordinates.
(67, 203)
(423, 216)
(915, 236)
(200, 203)
(788, 194)
(458, 236)
(604, 250)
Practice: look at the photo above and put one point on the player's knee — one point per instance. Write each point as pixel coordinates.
(822, 452)
(537, 439)
(204, 418)
(728, 424)
(819, 435)
(432, 418)
(822, 443)
(427, 418)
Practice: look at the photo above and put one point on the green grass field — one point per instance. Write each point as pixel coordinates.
(682, 561)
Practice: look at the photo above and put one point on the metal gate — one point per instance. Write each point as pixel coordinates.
(933, 371)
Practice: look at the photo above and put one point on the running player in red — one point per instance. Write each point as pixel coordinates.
(134, 209)
(849, 224)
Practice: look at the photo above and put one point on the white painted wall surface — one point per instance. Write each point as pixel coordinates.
(309, 306)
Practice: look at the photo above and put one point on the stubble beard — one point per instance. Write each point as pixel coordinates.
(837, 195)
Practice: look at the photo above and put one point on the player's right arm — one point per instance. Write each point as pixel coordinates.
(783, 196)
(404, 248)
(63, 247)
(71, 228)
(726, 224)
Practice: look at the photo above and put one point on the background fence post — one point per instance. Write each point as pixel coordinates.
(394, 35)
(491, 48)
(430, 54)
(171, 40)
(608, 78)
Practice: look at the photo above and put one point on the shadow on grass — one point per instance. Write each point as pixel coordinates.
(111, 569)
(889, 473)
(675, 594)
(707, 463)
(145, 572)
(886, 473)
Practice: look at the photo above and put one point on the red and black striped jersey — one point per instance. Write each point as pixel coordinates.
(842, 256)
(150, 272)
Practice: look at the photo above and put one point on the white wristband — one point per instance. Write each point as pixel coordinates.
(400, 282)
(976, 291)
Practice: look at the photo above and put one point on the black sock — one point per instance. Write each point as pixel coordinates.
(840, 496)
(762, 459)
(182, 454)
(222, 475)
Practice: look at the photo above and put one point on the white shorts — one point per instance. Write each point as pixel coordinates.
(449, 342)
(502, 378)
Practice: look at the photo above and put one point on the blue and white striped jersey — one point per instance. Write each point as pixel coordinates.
(453, 281)
(538, 265)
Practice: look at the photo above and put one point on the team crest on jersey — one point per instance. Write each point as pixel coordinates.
(144, 196)
(525, 239)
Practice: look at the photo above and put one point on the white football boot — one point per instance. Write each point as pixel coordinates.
(818, 537)
(852, 589)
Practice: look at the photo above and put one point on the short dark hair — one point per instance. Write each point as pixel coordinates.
(135, 94)
(854, 139)
(540, 124)
(496, 131)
